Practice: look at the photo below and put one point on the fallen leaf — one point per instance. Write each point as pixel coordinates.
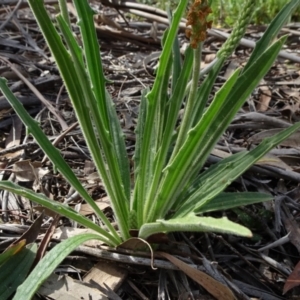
(65, 287)
(46, 239)
(264, 97)
(63, 233)
(215, 288)
(106, 272)
(31, 234)
(86, 209)
(293, 280)
(231, 68)
(89, 167)
(26, 170)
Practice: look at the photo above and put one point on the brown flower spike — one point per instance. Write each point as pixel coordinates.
(197, 18)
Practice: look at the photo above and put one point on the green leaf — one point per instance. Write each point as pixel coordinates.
(202, 138)
(191, 222)
(118, 143)
(92, 56)
(60, 209)
(272, 31)
(178, 171)
(155, 98)
(214, 180)
(177, 63)
(48, 264)
(11, 251)
(14, 271)
(173, 108)
(53, 154)
(87, 92)
(225, 201)
(139, 133)
(112, 145)
(103, 107)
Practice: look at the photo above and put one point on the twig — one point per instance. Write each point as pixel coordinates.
(129, 259)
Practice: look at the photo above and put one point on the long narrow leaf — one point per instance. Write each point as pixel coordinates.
(154, 98)
(60, 209)
(177, 63)
(120, 149)
(174, 105)
(139, 132)
(272, 31)
(48, 264)
(105, 117)
(164, 201)
(74, 87)
(225, 201)
(205, 134)
(111, 177)
(53, 154)
(233, 169)
(11, 251)
(92, 56)
(14, 271)
(193, 223)
(205, 90)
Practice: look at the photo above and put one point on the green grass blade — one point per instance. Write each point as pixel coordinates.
(60, 209)
(187, 120)
(74, 87)
(103, 108)
(206, 178)
(139, 133)
(193, 223)
(120, 149)
(78, 89)
(158, 126)
(64, 11)
(226, 201)
(177, 64)
(70, 40)
(48, 264)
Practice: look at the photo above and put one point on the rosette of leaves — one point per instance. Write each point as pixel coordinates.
(169, 191)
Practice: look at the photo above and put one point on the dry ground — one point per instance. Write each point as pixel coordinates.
(256, 268)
